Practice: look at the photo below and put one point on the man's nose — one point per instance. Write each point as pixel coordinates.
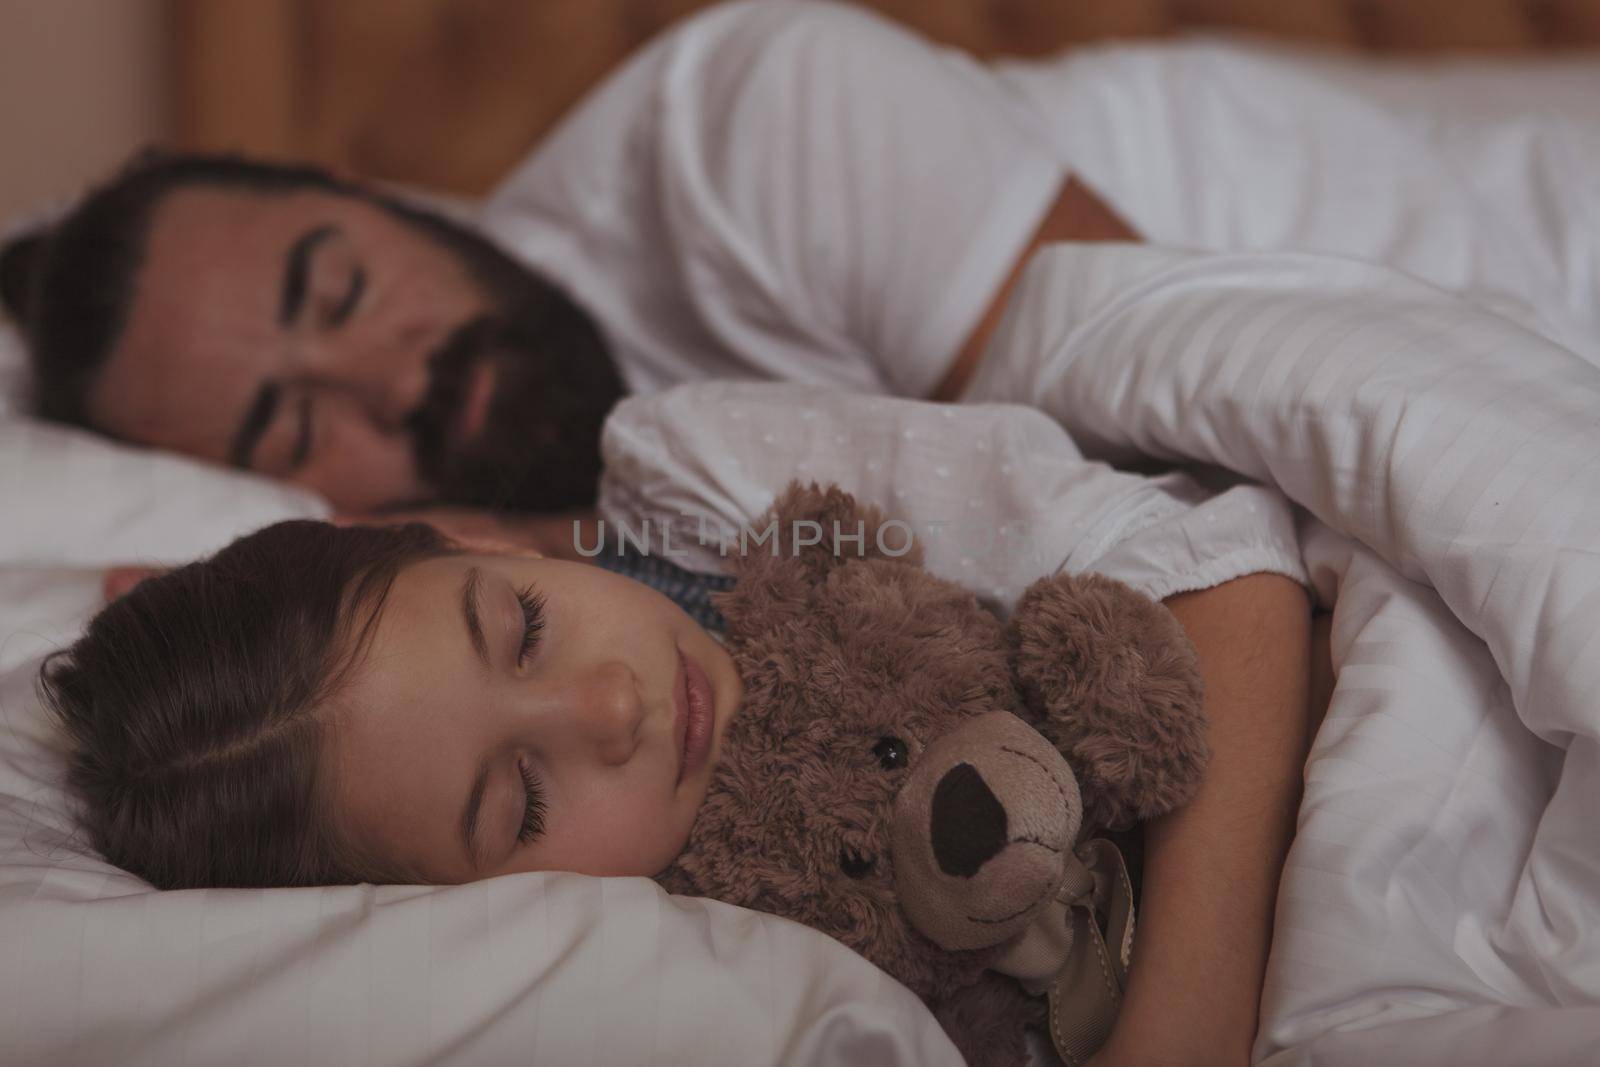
(385, 375)
(609, 711)
(382, 403)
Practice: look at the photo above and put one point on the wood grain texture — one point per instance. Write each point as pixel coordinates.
(451, 93)
(237, 84)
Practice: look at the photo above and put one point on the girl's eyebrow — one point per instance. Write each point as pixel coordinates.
(469, 613)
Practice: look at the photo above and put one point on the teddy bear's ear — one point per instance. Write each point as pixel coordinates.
(1112, 679)
(784, 557)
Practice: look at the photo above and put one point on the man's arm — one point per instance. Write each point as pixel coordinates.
(1211, 870)
(1076, 214)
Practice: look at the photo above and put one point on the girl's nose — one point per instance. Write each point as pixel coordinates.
(610, 710)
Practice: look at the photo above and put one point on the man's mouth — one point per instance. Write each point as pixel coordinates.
(476, 400)
(460, 398)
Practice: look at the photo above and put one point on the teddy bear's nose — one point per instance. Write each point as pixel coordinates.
(969, 822)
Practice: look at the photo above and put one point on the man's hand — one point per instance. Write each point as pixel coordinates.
(118, 581)
(554, 534)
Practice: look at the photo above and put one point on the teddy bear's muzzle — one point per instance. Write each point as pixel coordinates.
(982, 832)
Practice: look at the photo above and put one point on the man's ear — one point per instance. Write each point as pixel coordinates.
(120, 580)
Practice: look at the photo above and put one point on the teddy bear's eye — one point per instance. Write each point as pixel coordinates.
(854, 864)
(891, 752)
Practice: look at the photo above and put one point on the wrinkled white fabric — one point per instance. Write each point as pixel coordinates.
(998, 495)
(1446, 859)
(1423, 795)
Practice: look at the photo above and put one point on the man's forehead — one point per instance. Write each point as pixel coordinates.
(194, 230)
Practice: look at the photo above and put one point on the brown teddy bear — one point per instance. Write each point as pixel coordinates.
(917, 779)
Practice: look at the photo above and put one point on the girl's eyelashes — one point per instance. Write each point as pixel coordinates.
(532, 622)
(533, 805)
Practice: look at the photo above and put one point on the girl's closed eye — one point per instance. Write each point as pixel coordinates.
(532, 622)
(534, 806)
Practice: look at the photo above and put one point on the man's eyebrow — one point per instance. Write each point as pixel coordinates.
(469, 613)
(295, 269)
(469, 815)
(254, 424)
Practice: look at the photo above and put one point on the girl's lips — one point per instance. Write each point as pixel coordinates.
(695, 698)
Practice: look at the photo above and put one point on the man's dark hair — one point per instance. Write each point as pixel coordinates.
(69, 287)
(192, 706)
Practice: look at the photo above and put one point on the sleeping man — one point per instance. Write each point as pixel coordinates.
(792, 191)
(279, 320)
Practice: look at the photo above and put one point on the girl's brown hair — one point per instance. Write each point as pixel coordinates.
(191, 706)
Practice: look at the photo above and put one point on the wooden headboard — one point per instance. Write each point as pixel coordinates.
(451, 93)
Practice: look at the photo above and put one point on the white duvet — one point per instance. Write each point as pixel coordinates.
(1438, 903)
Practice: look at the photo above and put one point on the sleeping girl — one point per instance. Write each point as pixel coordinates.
(318, 705)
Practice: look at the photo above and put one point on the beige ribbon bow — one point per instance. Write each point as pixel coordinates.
(1065, 952)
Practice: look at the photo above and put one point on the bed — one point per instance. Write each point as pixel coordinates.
(1434, 907)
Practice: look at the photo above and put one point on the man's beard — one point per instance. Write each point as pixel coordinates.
(554, 383)
(539, 445)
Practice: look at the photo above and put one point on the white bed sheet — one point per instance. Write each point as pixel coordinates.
(1445, 862)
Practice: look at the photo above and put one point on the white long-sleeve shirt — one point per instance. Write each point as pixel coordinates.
(998, 494)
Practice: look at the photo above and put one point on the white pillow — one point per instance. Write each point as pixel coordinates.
(71, 497)
(99, 968)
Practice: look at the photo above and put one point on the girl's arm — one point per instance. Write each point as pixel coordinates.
(1211, 870)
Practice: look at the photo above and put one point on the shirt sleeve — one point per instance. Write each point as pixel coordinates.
(999, 495)
(833, 182)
